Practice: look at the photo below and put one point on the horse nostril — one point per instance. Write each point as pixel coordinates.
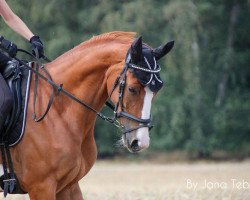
(135, 145)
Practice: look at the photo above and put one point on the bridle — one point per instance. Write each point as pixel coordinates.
(119, 82)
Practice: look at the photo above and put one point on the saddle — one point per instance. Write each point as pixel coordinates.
(18, 78)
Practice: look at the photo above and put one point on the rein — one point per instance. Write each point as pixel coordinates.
(120, 80)
(59, 88)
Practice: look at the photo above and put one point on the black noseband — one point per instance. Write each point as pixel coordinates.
(132, 117)
(143, 122)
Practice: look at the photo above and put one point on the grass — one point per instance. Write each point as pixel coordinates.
(150, 181)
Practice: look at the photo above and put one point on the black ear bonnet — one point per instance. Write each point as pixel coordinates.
(146, 70)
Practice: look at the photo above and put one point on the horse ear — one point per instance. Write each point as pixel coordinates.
(136, 50)
(162, 50)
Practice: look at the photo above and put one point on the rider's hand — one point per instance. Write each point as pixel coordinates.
(8, 46)
(37, 46)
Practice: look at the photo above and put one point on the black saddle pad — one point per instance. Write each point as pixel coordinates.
(16, 133)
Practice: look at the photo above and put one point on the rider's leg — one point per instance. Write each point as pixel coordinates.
(5, 94)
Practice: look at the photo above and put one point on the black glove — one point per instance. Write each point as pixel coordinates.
(37, 46)
(8, 46)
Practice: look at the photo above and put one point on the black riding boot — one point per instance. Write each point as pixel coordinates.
(6, 102)
(5, 94)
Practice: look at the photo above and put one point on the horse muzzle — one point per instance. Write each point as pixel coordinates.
(136, 139)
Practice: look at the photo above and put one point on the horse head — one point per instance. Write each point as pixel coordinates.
(133, 90)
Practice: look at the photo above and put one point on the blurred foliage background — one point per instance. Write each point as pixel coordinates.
(204, 107)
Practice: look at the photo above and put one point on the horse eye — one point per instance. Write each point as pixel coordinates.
(132, 90)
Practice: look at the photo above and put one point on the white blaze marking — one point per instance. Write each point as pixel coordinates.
(145, 114)
(142, 133)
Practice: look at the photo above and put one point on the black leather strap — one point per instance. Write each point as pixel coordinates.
(9, 180)
(134, 118)
(12, 180)
(125, 130)
(52, 95)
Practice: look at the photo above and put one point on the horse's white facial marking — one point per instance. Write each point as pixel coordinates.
(142, 134)
(145, 113)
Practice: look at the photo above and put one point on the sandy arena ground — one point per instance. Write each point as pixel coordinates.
(148, 181)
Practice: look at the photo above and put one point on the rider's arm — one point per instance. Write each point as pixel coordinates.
(13, 21)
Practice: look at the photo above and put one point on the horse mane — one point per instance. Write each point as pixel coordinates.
(124, 38)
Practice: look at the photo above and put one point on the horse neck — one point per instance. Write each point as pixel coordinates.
(84, 74)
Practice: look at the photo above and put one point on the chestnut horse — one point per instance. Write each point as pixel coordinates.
(57, 152)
